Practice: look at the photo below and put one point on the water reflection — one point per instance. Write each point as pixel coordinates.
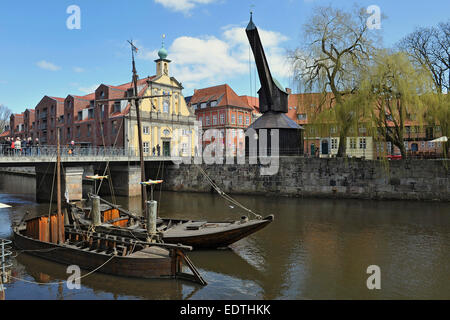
(315, 249)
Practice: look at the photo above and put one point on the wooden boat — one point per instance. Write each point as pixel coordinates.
(48, 238)
(111, 254)
(198, 234)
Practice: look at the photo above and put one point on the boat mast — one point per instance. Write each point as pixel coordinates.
(58, 188)
(141, 152)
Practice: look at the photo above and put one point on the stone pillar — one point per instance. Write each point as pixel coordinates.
(126, 180)
(72, 177)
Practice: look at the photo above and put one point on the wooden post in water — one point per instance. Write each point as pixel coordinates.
(2, 291)
(95, 213)
(152, 207)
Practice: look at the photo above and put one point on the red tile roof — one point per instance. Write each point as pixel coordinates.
(253, 102)
(5, 134)
(129, 85)
(57, 99)
(90, 96)
(224, 95)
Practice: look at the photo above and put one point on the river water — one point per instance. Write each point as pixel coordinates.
(315, 249)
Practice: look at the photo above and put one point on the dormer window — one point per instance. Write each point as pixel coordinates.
(194, 106)
(203, 105)
(213, 103)
(116, 107)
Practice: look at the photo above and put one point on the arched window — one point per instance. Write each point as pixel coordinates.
(166, 107)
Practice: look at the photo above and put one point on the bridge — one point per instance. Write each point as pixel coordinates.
(122, 165)
(47, 154)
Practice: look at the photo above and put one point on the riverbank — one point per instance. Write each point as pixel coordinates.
(422, 180)
(425, 180)
(21, 171)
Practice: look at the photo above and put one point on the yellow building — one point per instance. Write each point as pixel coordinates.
(168, 124)
(356, 147)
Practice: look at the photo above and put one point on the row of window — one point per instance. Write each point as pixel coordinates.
(353, 142)
(203, 105)
(222, 120)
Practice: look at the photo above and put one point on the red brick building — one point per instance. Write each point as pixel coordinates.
(78, 119)
(16, 125)
(29, 123)
(221, 108)
(48, 114)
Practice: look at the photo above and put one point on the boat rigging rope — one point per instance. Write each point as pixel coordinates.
(224, 195)
(53, 283)
(107, 168)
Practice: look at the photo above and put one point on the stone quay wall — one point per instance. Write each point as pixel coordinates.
(328, 178)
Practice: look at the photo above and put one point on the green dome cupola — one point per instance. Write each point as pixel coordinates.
(162, 53)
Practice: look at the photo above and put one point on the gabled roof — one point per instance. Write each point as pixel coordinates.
(18, 115)
(57, 99)
(89, 97)
(223, 94)
(5, 134)
(129, 85)
(253, 102)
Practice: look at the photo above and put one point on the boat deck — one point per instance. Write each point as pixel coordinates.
(151, 252)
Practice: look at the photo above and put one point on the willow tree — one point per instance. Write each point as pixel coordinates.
(429, 48)
(338, 47)
(437, 113)
(392, 90)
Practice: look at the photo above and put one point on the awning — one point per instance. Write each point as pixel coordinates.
(441, 139)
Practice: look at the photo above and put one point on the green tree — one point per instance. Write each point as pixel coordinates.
(338, 49)
(437, 113)
(429, 48)
(392, 92)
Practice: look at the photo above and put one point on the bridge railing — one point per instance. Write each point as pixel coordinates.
(50, 151)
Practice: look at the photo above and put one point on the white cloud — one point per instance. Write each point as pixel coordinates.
(184, 6)
(47, 65)
(78, 69)
(88, 90)
(209, 60)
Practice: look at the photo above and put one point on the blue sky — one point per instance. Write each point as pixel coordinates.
(205, 40)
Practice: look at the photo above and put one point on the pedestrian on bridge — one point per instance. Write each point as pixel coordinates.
(18, 146)
(72, 147)
(29, 145)
(36, 145)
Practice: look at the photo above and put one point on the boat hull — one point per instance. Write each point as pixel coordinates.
(127, 266)
(219, 239)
